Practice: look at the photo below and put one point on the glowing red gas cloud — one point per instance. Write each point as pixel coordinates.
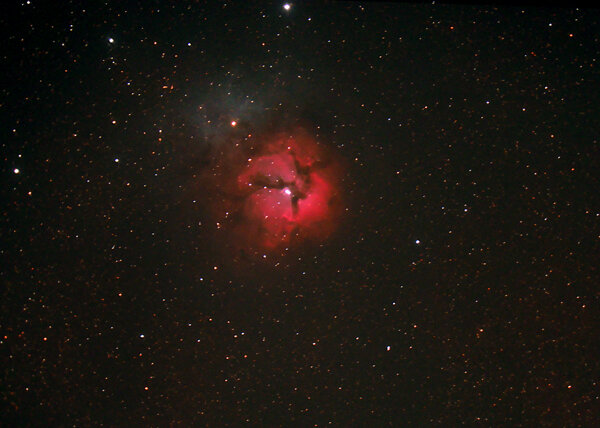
(276, 191)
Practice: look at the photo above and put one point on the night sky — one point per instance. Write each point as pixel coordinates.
(338, 214)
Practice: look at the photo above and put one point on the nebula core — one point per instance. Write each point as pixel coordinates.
(276, 191)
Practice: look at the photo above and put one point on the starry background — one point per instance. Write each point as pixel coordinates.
(461, 289)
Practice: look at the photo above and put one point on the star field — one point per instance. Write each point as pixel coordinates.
(425, 252)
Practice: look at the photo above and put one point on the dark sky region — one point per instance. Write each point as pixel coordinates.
(312, 214)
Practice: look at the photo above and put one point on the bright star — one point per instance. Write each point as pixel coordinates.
(287, 6)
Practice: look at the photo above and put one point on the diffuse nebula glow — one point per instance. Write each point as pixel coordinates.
(278, 191)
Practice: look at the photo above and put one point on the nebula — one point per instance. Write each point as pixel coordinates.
(276, 191)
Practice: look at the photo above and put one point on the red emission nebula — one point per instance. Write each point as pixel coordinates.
(276, 192)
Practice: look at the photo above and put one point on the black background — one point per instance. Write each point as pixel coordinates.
(461, 288)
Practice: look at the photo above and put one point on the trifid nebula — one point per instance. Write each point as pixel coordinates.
(281, 190)
(299, 214)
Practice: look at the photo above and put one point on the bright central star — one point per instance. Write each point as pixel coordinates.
(287, 191)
